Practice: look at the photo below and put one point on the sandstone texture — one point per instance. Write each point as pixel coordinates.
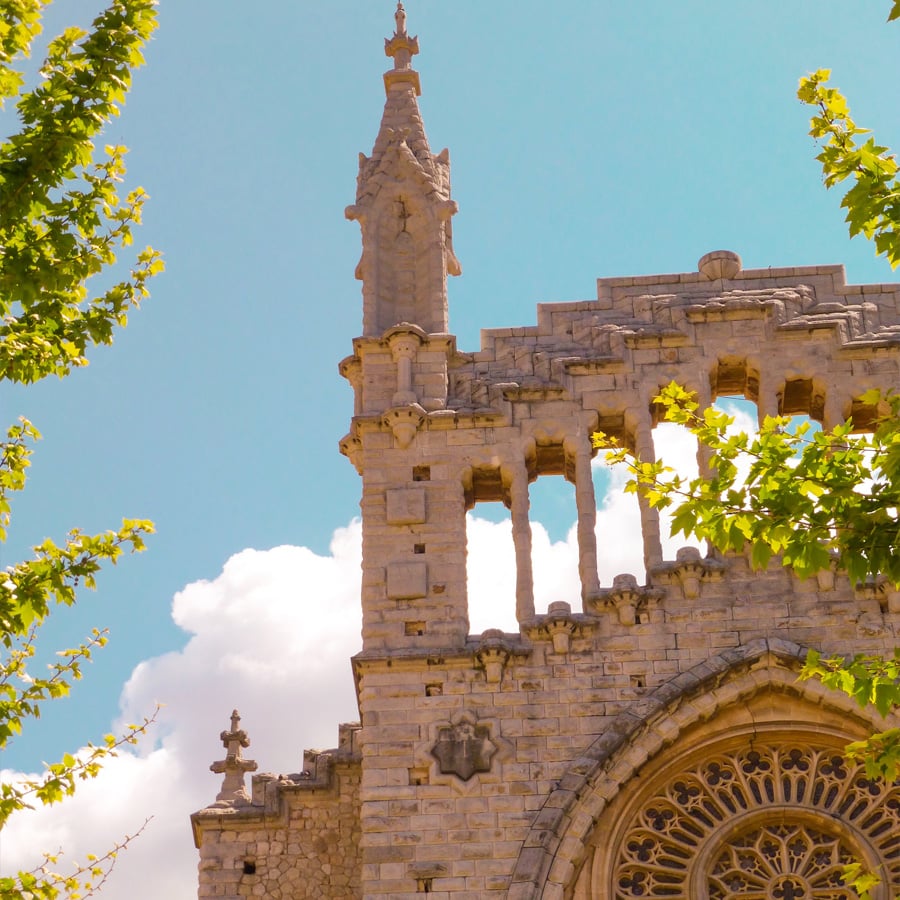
(648, 738)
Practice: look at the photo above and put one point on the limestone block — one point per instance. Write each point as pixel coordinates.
(407, 580)
(406, 506)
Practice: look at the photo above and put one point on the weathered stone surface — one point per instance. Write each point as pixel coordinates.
(608, 702)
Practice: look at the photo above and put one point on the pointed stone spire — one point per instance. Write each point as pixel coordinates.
(404, 208)
(234, 766)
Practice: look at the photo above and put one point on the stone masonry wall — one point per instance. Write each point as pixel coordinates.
(492, 764)
(548, 704)
(296, 837)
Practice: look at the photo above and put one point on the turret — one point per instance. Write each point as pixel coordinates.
(404, 208)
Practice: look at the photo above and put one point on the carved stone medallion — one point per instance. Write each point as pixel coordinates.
(464, 749)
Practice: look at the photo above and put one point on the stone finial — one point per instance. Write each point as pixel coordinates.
(234, 765)
(719, 264)
(401, 48)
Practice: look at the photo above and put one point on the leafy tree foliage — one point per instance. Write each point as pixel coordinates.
(873, 202)
(819, 499)
(62, 221)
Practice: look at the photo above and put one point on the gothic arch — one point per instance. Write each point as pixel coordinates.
(751, 691)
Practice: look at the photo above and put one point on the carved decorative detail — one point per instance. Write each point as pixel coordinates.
(879, 589)
(762, 823)
(234, 766)
(464, 748)
(793, 862)
(625, 597)
(559, 625)
(493, 654)
(719, 264)
(404, 422)
(689, 570)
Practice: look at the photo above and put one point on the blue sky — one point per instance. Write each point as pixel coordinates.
(592, 139)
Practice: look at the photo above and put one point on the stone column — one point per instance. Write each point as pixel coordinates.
(403, 349)
(704, 399)
(643, 445)
(767, 402)
(579, 447)
(704, 467)
(515, 477)
(834, 409)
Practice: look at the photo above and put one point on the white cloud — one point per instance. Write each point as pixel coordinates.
(272, 636)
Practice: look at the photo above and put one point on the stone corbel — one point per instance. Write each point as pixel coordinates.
(559, 625)
(626, 597)
(351, 446)
(404, 422)
(493, 654)
(425, 873)
(825, 577)
(689, 570)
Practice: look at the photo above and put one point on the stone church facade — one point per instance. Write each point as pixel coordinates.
(649, 738)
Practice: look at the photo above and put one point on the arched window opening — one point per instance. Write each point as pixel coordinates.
(803, 425)
(620, 545)
(780, 819)
(620, 548)
(490, 552)
(554, 535)
(735, 377)
(865, 415)
(490, 568)
(802, 396)
(675, 446)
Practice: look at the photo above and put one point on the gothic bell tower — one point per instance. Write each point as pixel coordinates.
(404, 208)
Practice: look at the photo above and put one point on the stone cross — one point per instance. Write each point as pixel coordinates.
(234, 765)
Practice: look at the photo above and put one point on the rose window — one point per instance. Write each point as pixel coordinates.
(771, 823)
(788, 862)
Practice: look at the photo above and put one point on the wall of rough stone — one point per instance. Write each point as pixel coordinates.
(298, 836)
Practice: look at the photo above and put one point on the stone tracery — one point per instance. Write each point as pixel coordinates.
(760, 823)
(793, 862)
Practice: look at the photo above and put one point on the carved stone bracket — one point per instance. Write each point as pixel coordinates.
(404, 422)
(424, 873)
(404, 341)
(493, 653)
(689, 570)
(560, 625)
(351, 446)
(625, 597)
(825, 577)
